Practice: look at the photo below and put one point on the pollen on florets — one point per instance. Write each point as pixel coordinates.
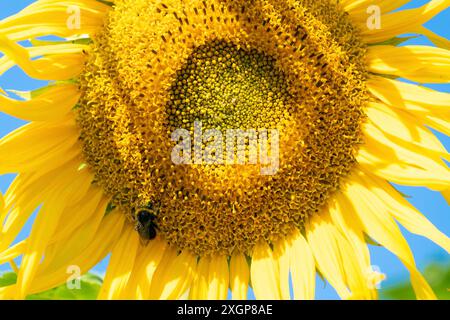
(294, 66)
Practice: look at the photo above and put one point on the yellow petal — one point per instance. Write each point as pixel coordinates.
(54, 67)
(120, 265)
(322, 237)
(264, 274)
(63, 246)
(401, 162)
(446, 195)
(92, 255)
(438, 123)
(423, 64)
(173, 276)
(404, 212)
(218, 278)
(404, 21)
(13, 252)
(27, 202)
(358, 8)
(281, 254)
(428, 106)
(199, 287)
(239, 276)
(352, 229)
(147, 260)
(2, 202)
(90, 208)
(409, 97)
(43, 18)
(380, 226)
(96, 250)
(28, 191)
(36, 144)
(302, 267)
(53, 104)
(439, 41)
(45, 225)
(404, 129)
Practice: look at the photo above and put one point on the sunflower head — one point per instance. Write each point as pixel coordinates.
(208, 145)
(224, 65)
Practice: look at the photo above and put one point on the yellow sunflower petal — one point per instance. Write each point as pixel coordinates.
(438, 123)
(358, 8)
(409, 97)
(94, 253)
(53, 104)
(423, 64)
(356, 278)
(380, 226)
(302, 266)
(2, 202)
(13, 252)
(96, 250)
(404, 212)
(404, 21)
(404, 129)
(147, 259)
(28, 191)
(120, 265)
(321, 236)
(54, 67)
(353, 232)
(281, 254)
(336, 259)
(173, 276)
(35, 144)
(264, 273)
(43, 228)
(446, 195)
(218, 278)
(439, 41)
(79, 213)
(401, 163)
(239, 276)
(199, 288)
(13, 222)
(63, 246)
(428, 106)
(211, 279)
(44, 17)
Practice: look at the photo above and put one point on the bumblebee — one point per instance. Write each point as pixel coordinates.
(146, 222)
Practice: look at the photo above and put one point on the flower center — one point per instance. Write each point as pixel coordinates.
(166, 86)
(226, 87)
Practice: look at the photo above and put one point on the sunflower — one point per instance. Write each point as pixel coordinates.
(96, 156)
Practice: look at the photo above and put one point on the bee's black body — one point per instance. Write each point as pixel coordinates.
(145, 223)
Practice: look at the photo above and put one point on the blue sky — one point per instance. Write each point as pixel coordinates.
(430, 203)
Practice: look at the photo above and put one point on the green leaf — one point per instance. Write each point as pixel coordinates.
(7, 279)
(88, 289)
(437, 275)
